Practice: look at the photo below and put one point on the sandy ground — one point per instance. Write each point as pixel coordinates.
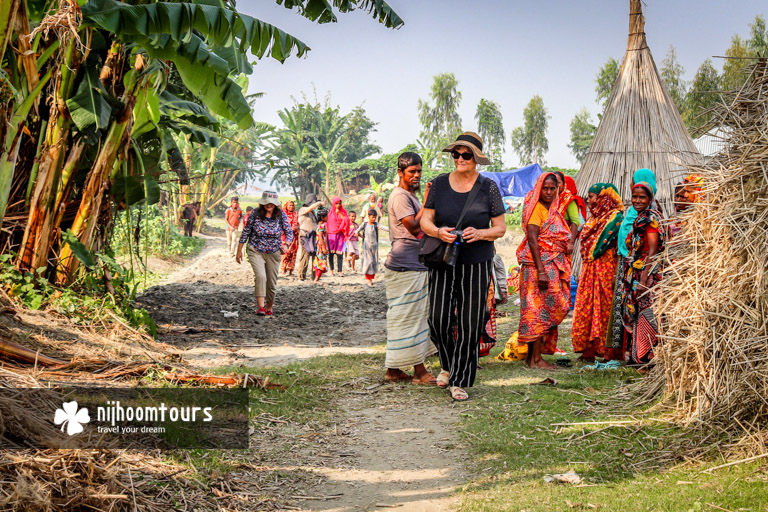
(398, 449)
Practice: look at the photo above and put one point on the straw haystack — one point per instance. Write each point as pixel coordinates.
(641, 126)
(713, 363)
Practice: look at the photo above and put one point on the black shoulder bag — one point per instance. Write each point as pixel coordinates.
(431, 249)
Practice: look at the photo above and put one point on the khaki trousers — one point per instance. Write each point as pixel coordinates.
(265, 268)
(233, 238)
(305, 262)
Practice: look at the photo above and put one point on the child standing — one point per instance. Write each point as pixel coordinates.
(320, 261)
(370, 233)
(353, 251)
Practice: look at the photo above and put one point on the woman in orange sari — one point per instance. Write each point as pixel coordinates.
(545, 294)
(592, 311)
(289, 258)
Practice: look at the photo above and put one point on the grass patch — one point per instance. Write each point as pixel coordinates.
(508, 425)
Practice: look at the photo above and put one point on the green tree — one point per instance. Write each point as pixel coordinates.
(530, 140)
(604, 81)
(490, 127)
(701, 97)
(440, 120)
(758, 37)
(672, 78)
(735, 66)
(358, 131)
(582, 134)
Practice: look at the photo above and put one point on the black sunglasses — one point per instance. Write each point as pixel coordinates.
(466, 156)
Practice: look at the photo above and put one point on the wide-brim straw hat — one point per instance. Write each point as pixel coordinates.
(269, 197)
(474, 142)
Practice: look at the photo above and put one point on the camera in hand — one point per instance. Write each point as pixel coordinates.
(451, 255)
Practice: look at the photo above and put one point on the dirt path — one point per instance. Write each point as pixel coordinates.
(207, 311)
(399, 447)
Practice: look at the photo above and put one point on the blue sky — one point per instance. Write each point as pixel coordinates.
(503, 50)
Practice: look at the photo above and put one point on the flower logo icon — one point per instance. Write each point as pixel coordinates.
(71, 417)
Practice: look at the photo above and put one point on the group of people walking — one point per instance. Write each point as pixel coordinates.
(440, 273)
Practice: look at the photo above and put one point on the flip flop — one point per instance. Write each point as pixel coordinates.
(401, 378)
(458, 394)
(442, 379)
(431, 381)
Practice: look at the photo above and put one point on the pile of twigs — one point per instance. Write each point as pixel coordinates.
(712, 367)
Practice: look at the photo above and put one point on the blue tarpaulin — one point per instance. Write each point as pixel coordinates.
(515, 183)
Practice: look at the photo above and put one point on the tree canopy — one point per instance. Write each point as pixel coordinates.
(490, 127)
(530, 140)
(439, 116)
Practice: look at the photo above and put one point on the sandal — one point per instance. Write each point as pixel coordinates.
(442, 379)
(426, 380)
(458, 394)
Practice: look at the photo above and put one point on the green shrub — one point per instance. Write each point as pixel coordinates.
(158, 234)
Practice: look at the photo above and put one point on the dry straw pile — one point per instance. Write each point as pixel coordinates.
(713, 365)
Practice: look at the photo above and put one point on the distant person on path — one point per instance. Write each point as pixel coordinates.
(247, 213)
(405, 279)
(338, 231)
(597, 246)
(458, 294)
(545, 291)
(307, 234)
(369, 231)
(320, 260)
(380, 207)
(263, 235)
(353, 249)
(233, 217)
(289, 258)
(371, 203)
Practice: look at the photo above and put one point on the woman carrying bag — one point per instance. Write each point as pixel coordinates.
(465, 211)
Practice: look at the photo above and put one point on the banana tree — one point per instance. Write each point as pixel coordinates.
(119, 79)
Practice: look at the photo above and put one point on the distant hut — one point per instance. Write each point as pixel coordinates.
(641, 126)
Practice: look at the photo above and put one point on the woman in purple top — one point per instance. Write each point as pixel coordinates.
(263, 234)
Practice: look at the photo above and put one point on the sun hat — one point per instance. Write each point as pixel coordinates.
(310, 199)
(474, 142)
(269, 197)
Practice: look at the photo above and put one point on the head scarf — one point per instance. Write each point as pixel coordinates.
(570, 185)
(553, 234)
(310, 199)
(338, 222)
(602, 228)
(641, 175)
(695, 183)
(293, 217)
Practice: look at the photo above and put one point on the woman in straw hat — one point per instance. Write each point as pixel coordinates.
(264, 236)
(457, 311)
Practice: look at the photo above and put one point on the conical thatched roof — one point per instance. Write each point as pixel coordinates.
(641, 126)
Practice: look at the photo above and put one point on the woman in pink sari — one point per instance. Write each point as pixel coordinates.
(338, 232)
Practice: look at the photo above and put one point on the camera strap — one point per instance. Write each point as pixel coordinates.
(470, 198)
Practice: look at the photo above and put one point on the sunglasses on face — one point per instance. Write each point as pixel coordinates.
(466, 156)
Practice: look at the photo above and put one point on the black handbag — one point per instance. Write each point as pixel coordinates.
(431, 249)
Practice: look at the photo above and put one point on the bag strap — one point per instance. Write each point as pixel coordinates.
(470, 198)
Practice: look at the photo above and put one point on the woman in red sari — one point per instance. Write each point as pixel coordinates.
(289, 258)
(594, 298)
(545, 294)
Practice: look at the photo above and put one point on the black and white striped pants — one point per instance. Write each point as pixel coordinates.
(457, 316)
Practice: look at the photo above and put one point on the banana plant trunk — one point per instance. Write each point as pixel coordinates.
(205, 191)
(44, 204)
(99, 181)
